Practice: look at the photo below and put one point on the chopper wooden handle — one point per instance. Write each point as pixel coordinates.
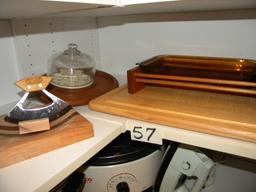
(35, 83)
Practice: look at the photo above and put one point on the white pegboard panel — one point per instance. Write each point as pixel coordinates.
(36, 40)
(9, 73)
(127, 40)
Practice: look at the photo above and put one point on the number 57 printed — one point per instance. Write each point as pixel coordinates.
(144, 132)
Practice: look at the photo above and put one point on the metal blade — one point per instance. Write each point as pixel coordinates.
(52, 111)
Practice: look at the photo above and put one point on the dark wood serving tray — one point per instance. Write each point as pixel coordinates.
(235, 76)
(104, 82)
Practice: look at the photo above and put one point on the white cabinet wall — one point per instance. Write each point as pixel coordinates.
(117, 43)
(27, 45)
(37, 40)
(126, 40)
(9, 72)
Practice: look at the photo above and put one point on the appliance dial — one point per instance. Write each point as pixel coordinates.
(122, 187)
(123, 182)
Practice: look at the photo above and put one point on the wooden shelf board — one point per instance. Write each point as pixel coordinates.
(212, 113)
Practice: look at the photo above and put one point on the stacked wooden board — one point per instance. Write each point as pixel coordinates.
(226, 115)
(17, 148)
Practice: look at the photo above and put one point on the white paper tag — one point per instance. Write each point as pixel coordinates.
(145, 132)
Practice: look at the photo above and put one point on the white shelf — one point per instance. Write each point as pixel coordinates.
(49, 169)
(207, 141)
(45, 8)
(39, 8)
(168, 7)
(43, 172)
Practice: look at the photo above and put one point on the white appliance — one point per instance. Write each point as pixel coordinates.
(184, 169)
(131, 166)
(124, 166)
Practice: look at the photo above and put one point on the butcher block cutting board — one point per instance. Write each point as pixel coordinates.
(17, 148)
(219, 114)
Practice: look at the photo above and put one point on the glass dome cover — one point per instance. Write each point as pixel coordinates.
(72, 69)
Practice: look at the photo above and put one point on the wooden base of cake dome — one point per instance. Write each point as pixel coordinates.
(104, 82)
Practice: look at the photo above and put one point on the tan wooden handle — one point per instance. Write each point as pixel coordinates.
(197, 80)
(35, 83)
(201, 60)
(197, 86)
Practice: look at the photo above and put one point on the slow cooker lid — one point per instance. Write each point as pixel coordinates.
(122, 150)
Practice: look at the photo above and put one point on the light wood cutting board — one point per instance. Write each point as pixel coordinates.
(207, 112)
(14, 149)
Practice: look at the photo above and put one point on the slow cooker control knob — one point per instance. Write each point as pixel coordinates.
(122, 187)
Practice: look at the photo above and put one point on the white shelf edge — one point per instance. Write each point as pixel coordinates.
(45, 171)
(99, 2)
(203, 140)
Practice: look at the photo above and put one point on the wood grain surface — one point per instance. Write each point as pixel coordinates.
(104, 82)
(219, 114)
(34, 83)
(226, 75)
(196, 80)
(36, 125)
(14, 149)
(206, 87)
